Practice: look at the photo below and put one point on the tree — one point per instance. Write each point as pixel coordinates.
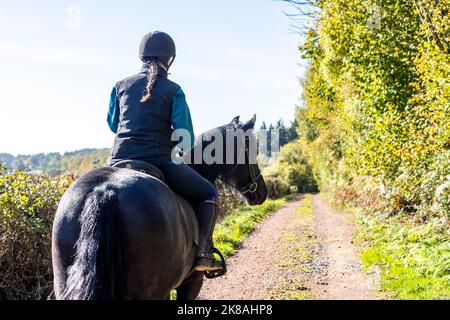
(295, 169)
(263, 126)
(377, 97)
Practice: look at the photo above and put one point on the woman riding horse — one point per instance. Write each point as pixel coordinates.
(120, 233)
(144, 125)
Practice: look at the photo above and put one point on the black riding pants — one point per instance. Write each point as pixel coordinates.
(188, 183)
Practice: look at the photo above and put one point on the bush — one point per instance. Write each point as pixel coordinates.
(27, 206)
(293, 167)
(277, 188)
(377, 101)
(229, 199)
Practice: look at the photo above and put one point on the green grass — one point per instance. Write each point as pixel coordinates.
(238, 224)
(414, 260)
(296, 255)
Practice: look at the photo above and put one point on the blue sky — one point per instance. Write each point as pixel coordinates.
(233, 58)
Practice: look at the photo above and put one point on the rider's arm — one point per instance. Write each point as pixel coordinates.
(113, 113)
(181, 116)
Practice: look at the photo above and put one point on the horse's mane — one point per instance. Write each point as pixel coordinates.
(211, 172)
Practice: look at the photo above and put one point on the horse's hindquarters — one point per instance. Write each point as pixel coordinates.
(133, 225)
(66, 231)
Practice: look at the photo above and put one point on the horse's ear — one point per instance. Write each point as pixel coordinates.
(250, 124)
(235, 120)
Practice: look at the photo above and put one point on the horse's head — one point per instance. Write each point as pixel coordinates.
(229, 153)
(241, 169)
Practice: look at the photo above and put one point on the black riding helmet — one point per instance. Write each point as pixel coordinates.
(159, 46)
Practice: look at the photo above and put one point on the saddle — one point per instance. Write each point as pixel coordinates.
(141, 166)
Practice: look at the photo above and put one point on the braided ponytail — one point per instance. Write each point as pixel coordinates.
(153, 71)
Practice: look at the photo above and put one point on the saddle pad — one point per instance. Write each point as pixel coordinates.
(141, 166)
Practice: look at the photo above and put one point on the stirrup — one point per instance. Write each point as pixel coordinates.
(217, 273)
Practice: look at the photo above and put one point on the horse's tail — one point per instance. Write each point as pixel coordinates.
(99, 268)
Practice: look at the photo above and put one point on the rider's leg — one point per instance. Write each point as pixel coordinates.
(189, 184)
(207, 217)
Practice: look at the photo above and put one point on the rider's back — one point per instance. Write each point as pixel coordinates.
(145, 128)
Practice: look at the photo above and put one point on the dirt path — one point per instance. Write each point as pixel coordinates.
(339, 276)
(332, 270)
(252, 269)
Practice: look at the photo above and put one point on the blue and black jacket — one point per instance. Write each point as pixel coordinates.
(144, 129)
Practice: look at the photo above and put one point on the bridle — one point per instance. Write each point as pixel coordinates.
(252, 186)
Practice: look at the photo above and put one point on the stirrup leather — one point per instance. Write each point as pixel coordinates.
(217, 273)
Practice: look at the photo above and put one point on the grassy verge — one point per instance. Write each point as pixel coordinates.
(413, 259)
(238, 224)
(296, 255)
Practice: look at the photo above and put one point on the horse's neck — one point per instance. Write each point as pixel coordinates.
(208, 172)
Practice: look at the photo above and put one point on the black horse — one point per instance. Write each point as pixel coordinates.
(123, 234)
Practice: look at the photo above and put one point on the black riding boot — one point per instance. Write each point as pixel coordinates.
(207, 217)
